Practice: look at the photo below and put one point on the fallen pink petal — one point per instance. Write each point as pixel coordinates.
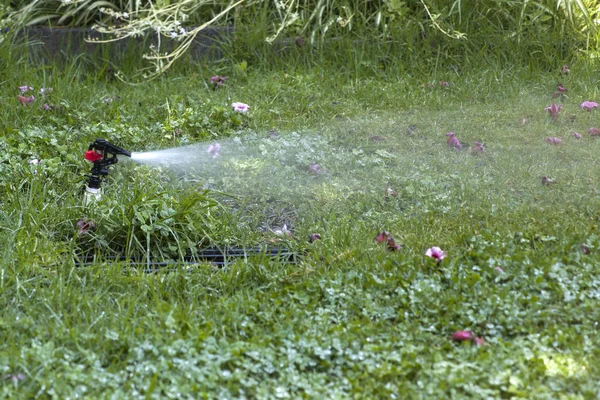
(588, 105)
(594, 131)
(554, 140)
(577, 135)
(391, 243)
(478, 148)
(499, 269)
(15, 377)
(315, 169)
(85, 226)
(218, 81)
(387, 237)
(436, 253)
(391, 192)
(479, 341)
(26, 99)
(377, 138)
(453, 141)
(240, 107)
(547, 181)
(553, 109)
(561, 88)
(463, 336)
(584, 249)
(381, 236)
(313, 237)
(284, 231)
(214, 150)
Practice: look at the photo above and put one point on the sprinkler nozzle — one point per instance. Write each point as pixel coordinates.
(103, 154)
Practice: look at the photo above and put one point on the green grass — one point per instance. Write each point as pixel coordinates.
(350, 320)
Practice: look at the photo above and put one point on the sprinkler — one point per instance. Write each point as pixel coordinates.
(102, 154)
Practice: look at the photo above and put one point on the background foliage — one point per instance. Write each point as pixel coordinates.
(434, 31)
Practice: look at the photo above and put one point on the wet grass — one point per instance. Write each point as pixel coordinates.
(351, 319)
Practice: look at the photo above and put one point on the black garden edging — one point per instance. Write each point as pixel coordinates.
(216, 257)
(65, 43)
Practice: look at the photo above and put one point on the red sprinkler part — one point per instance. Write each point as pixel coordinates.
(92, 156)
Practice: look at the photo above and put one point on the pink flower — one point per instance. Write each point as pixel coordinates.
(214, 150)
(47, 106)
(594, 131)
(584, 249)
(436, 252)
(554, 140)
(453, 141)
(565, 70)
(477, 148)
(25, 88)
(577, 135)
(240, 107)
(588, 105)
(26, 100)
(463, 336)
(479, 341)
(553, 109)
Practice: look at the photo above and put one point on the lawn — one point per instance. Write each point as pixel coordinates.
(318, 152)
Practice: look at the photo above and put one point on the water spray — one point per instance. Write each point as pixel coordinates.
(102, 154)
